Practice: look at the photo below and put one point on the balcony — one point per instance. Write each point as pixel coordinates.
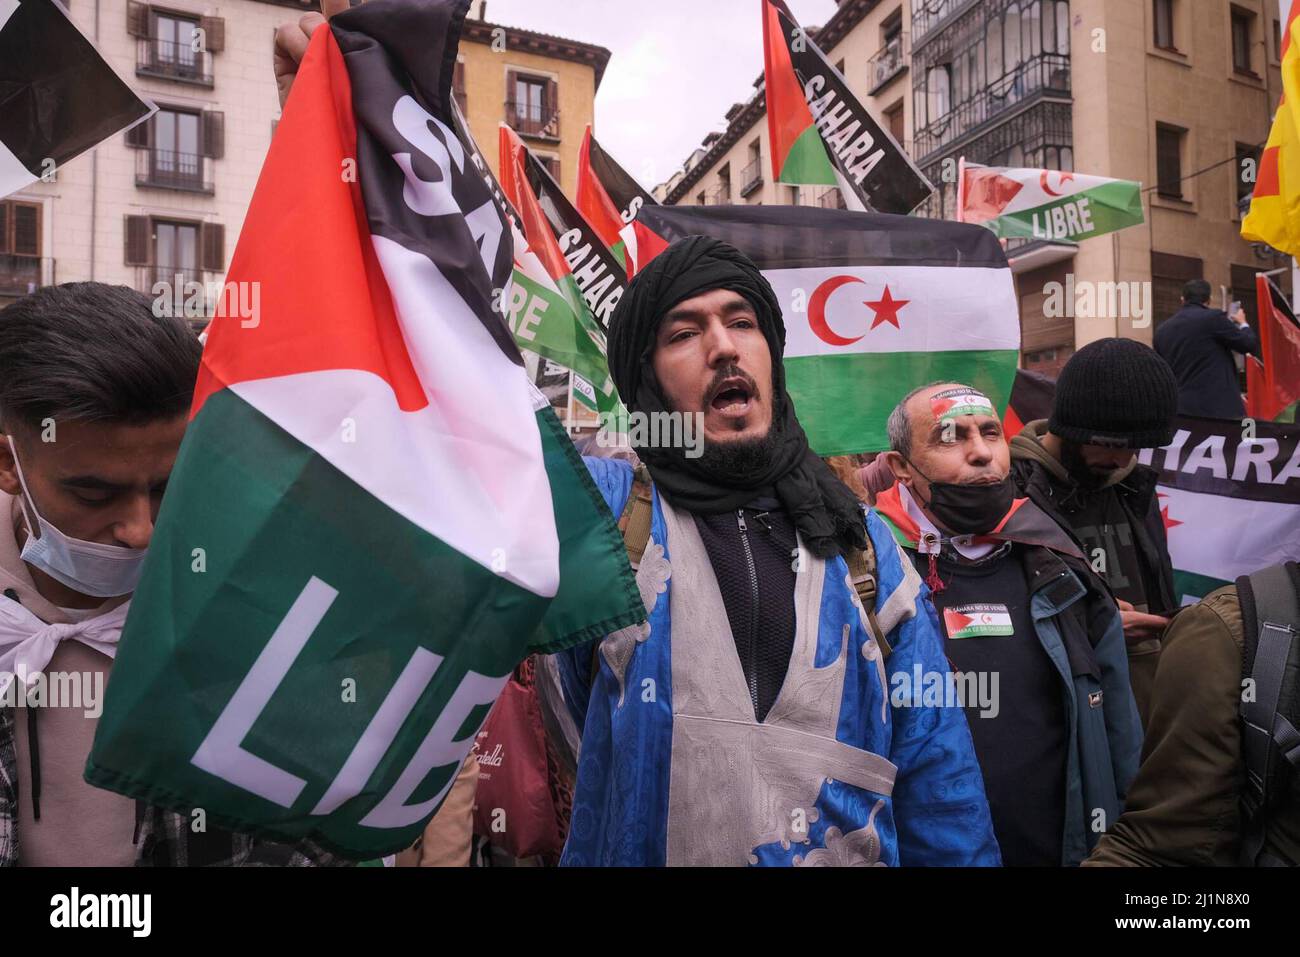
(720, 195)
(533, 119)
(890, 61)
(1045, 74)
(168, 169)
(929, 15)
(21, 275)
(751, 178)
(831, 198)
(171, 60)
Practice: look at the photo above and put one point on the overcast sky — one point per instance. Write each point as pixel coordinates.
(677, 66)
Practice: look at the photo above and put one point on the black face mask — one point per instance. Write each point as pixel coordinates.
(969, 509)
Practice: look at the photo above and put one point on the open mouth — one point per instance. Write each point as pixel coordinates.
(732, 397)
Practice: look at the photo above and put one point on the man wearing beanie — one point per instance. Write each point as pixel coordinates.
(1198, 343)
(766, 715)
(1113, 397)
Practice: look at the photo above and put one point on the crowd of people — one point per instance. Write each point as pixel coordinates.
(954, 662)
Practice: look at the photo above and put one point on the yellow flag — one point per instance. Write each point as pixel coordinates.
(1274, 216)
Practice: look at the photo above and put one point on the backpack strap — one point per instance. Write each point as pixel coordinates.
(862, 572)
(638, 511)
(1270, 610)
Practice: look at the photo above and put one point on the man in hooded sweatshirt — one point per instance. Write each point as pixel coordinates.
(1114, 397)
(764, 715)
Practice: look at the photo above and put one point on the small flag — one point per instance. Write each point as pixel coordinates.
(545, 308)
(608, 197)
(821, 134)
(58, 97)
(1273, 383)
(977, 621)
(874, 306)
(1274, 215)
(373, 517)
(1046, 203)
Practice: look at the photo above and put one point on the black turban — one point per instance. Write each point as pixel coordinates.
(827, 514)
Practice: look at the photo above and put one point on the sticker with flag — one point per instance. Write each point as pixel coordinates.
(1273, 383)
(608, 198)
(874, 305)
(821, 134)
(58, 96)
(373, 518)
(1274, 215)
(977, 621)
(545, 308)
(1046, 203)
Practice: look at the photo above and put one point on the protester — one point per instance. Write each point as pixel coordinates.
(1193, 802)
(752, 722)
(1058, 737)
(1198, 343)
(94, 395)
(1113, 397)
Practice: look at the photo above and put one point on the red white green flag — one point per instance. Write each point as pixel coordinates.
(1046, 203)
(373, 517)
(608, 197)
(821, 134)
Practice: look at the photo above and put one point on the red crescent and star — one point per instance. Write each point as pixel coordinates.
(1061, 180)
(886, 310)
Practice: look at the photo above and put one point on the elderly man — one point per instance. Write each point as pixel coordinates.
(1025, 618)
(758, 718)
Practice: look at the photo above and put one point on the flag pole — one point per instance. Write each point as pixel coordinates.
(961, 187)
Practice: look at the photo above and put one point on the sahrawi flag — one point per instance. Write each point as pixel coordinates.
(58, 97)
(546, 311)
(1046, 203)
(608, 197)
(1273, 384)
(1230, 498)
(370, 521)
(821, 134)
(874, 306)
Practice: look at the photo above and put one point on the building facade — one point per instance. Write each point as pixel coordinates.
(1176, 94)
(167, 198)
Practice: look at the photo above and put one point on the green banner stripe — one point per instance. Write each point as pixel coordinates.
(1195, 585)
(807, 163)
(844, 400)
(1108, 207)
(557, 335)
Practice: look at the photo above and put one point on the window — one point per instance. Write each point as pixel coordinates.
(458, 87)
(752, 175)
(1277, 39)
(938, 82)
(839, 66)
(994, 51)
(169, 250)
(551, 164)
(699, 200)
(1163, 19)
(176, 160)
(1245, 171)
(894, 121)
(1062, 27)
(1168, 273)
(1169, 161)
(20, 247)
(794, 195)
(1242, 26)
(175, 39)
(533, 105)
(176, 250)
(174, 45)
(1011, 40)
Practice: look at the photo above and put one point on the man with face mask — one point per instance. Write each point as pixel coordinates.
(1113, 397)
(752, 722)
(1058, 738)
(94, 395)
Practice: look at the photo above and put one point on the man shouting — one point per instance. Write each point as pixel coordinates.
(768, 713)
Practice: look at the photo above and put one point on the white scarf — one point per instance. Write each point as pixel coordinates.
(27, 644)
(931, 538)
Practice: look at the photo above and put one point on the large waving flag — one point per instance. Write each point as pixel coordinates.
(373, 516)
(821, 134)
(545, 308)
(608, 198)
(1273, 384)
(1046, 203)
(1274, 215)
(874, 306)
(58, 97)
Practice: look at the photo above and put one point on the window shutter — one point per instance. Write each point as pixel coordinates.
(137, 137)
(214, 134)
(137, 18)
(27, 229)
(552, 104)
(213, 241)
(4, 227)
(513, 107)
(458, 87)
(214, 34)
(138, 240)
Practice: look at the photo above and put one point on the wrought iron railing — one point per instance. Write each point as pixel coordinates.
(172, 60)
(889, 61)
(20, 275)
(169, 169)
(531, 118)
(751, 177)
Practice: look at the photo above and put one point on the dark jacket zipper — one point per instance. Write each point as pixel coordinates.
(752, 639)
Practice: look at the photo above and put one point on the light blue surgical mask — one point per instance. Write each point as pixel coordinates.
(101, 571)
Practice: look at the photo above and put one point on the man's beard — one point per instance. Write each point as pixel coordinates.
(726, 461)
(1074, 462)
